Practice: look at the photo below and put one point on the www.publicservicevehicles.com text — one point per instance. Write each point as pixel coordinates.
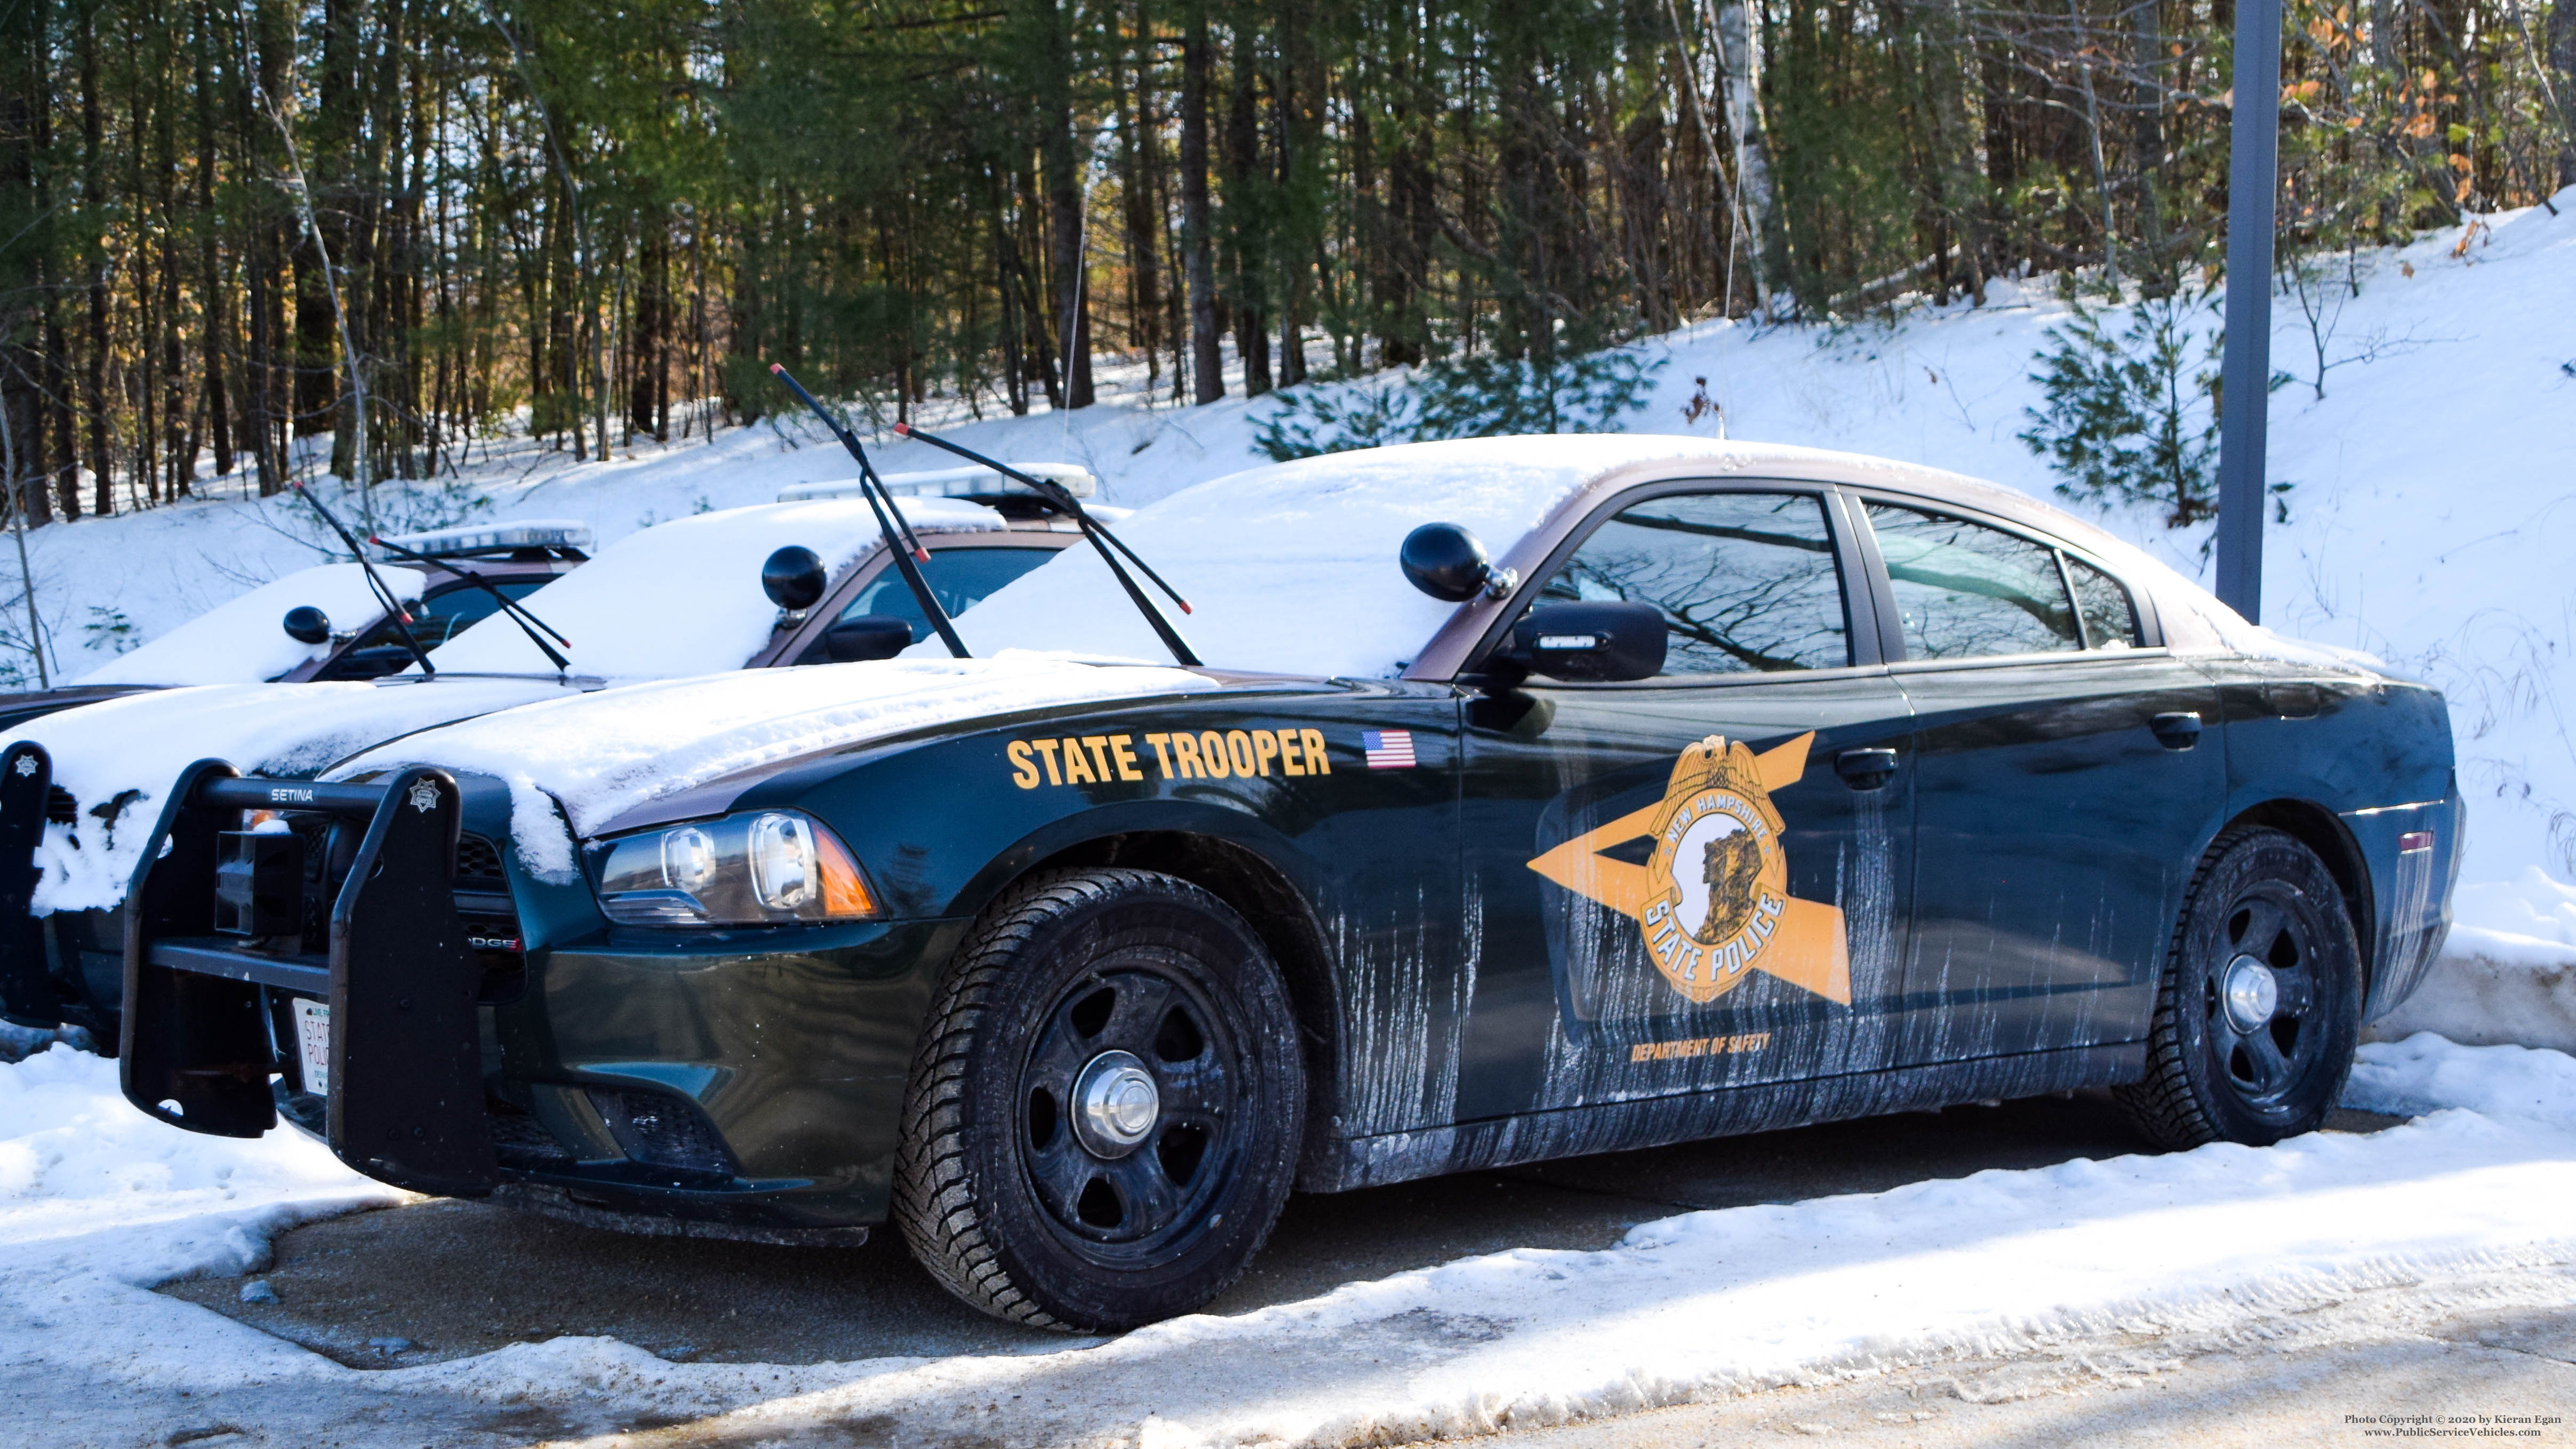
(2453, 1426)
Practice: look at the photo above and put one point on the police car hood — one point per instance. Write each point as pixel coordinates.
(588, 759)
(245, 639)
(119, 758)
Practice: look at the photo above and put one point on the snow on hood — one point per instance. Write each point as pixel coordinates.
(245, 640)
(601, 755)
(122, 755)
(1291, 568)
(683, 597)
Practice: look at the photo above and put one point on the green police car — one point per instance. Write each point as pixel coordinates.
(1503, 800)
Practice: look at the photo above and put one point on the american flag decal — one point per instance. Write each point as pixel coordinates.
(1388, 749)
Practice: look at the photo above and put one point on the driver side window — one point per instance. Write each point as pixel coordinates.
(1746, 582)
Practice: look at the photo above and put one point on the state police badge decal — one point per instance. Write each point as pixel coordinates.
(1713, 898)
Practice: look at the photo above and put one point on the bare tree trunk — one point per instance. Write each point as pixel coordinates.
(1739, 43)
(93, 189)
(214, 300)
(1250, 273)
(1207, 366)
(1136, 140)
(1065, 174)
(2562, 59)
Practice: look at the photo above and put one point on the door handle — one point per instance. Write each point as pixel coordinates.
(2177, 731)
(1865, 769)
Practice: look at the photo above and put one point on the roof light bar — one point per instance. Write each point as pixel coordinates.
(955, 483)
(468, 538)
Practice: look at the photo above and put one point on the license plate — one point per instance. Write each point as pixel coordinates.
(313, 1044)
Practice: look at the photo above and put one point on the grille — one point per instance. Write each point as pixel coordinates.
(477, 858)
(519, 1138)
(663, 1132)
(60, 807)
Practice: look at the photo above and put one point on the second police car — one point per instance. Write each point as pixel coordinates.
(79, 787)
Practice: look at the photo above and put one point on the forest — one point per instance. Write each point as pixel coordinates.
(402, 225)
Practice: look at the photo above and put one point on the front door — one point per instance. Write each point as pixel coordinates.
(1700, 879)
(2063, 785)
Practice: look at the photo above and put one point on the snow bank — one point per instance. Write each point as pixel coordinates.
(121, 756)
(2425, 1073)
(1292, 568)
(244, 640)
(601, 755)
(684, 597)
(2527, 921)
(2507, 972)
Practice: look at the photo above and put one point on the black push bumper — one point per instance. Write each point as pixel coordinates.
(51, 973)
(207, 1015)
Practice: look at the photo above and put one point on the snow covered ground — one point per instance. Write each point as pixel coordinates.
(98, 1203)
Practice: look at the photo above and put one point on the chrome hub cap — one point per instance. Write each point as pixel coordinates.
(1115, 1104)
(2251, 994)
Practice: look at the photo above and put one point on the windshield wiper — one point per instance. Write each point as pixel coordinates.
(1062, 501)
(529, 624)
(873, 489)
(395, 614)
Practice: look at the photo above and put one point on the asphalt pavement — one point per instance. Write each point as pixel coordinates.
(451, 1278)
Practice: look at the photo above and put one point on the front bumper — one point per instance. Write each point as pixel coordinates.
(747, 1081)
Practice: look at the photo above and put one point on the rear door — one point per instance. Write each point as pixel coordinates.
(1675, 883)
(2063, 785)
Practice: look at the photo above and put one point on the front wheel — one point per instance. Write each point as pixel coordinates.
(2260, 1008)
(1102, 1122)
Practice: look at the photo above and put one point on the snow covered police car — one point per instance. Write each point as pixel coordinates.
(1749, 786)
(327, 622)
(79, 788)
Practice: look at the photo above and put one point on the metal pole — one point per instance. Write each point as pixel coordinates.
(2253, 152)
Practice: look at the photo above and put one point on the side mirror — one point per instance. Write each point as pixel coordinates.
(1449, 563)
(306, 624)
(869, 636)
(793, 577)
(1591, 643)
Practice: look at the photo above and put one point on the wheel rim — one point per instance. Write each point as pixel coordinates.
(2263, 999)
(1132, 1112)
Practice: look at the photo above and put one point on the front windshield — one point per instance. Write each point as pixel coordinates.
(958, 577)
(438, 619)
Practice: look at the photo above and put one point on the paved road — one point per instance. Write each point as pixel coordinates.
(460, 1278)
(2373, 1373)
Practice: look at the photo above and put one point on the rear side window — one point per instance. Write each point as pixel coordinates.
(1746, 582)
(2110, 620)
(1966, 591)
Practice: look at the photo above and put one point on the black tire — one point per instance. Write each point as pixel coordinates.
(1033, 1210)
(2258, 894)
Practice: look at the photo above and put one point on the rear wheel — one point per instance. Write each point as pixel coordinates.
(1102, 1122)
(2260, 1010)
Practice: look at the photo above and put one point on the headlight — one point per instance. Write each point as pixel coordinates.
(773, 867)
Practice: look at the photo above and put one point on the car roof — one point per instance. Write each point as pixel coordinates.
(1291, 568)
